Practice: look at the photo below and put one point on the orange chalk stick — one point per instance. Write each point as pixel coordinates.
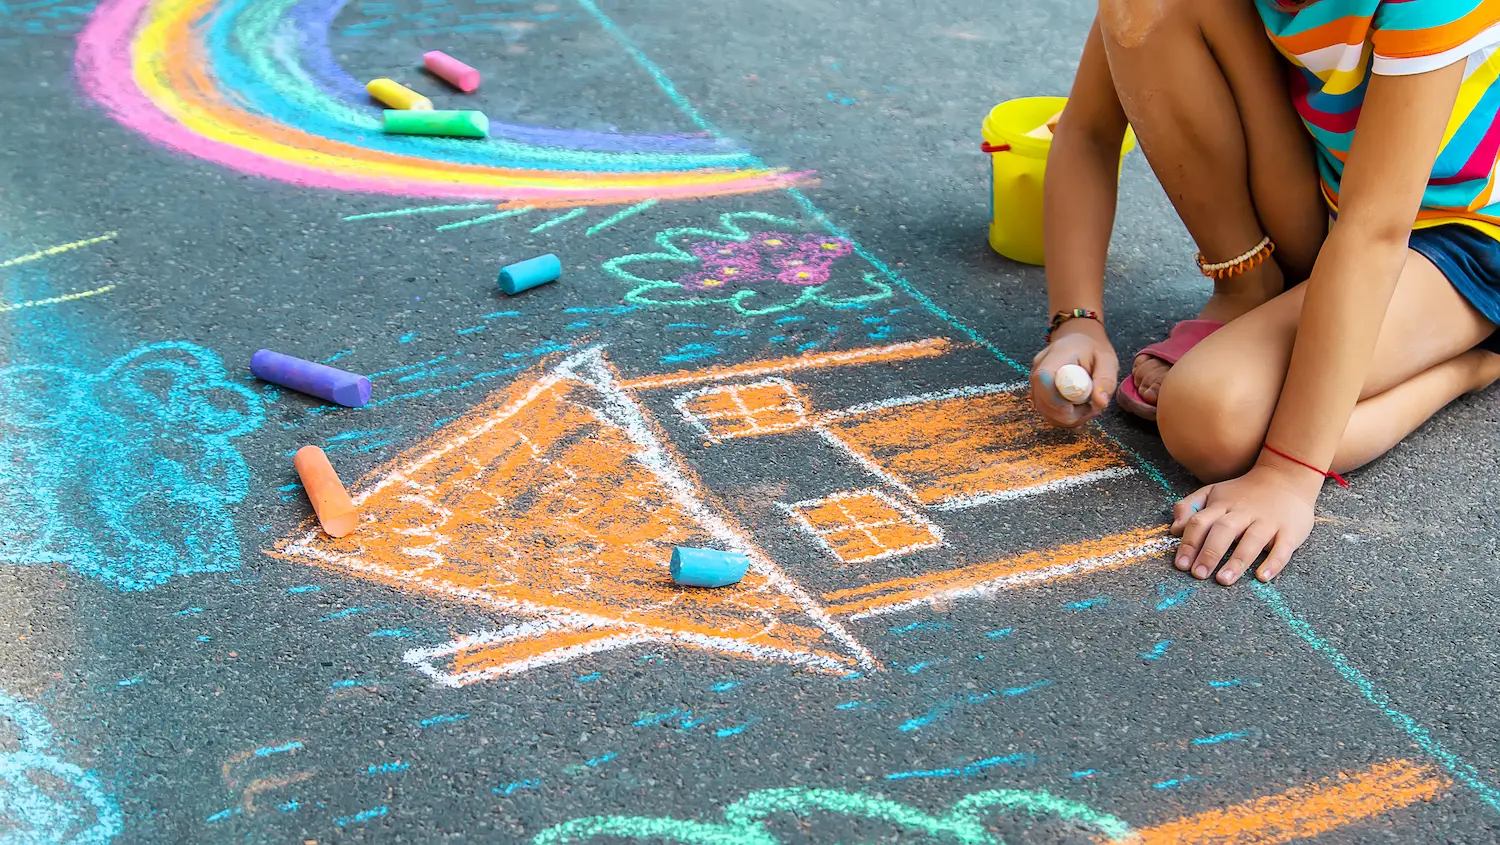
(336, 511)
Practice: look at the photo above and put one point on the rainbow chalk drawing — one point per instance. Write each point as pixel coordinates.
(254, 86)
(779, 816)
(128, 476)
(763, 272)
(43, 797)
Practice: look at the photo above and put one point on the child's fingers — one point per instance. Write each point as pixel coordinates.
(1104, 368)
(1194, 532)
(1226, 530)
(1251, 544)
(1281, 553)
(1050, 404)
(1100, 400)
(1184, 509)
(1104, 388)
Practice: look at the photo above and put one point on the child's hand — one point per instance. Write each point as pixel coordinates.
(1267, 509)
(1082, 342)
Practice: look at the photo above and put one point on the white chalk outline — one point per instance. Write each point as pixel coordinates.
(992, 586)
(937, 345)
(795, 511)
(922, 399)
(963, 502)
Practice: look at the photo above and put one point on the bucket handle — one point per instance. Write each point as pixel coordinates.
(987, 147)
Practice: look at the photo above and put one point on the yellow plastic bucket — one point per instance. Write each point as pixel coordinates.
(1017, 167)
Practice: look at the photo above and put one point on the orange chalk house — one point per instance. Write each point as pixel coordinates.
(555, 504)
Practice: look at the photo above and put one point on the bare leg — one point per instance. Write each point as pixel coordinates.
(1216, 404)
(1207, 97)
(1385, 419)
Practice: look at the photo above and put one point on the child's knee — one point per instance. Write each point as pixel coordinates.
(1208, 424)
(1132, 23)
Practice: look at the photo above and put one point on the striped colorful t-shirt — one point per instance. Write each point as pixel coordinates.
(1336, 45)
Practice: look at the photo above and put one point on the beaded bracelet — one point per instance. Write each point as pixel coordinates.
(1239, 264)
(1063, 316)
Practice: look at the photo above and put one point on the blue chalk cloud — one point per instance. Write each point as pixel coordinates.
(127, 475)
(43, 797)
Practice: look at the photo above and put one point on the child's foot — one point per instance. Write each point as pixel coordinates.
(1248, 293)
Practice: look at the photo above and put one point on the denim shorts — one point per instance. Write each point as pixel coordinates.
(1471, 261)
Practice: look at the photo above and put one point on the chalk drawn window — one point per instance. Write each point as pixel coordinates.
(744, 410)
(860, 526)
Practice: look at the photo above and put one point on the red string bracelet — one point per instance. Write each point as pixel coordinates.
(1326, 474)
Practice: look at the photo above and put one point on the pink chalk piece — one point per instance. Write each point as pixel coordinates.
(460, 75)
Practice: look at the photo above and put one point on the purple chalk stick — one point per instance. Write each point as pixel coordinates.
(327, 383)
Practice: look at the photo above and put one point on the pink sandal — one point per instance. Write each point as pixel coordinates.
(1184, 336)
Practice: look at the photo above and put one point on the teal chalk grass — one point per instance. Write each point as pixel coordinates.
(844, 817)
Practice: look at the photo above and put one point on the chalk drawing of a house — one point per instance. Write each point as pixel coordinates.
(556, 503)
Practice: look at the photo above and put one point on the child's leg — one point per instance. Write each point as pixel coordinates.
(1207, 97)
(1216, 403)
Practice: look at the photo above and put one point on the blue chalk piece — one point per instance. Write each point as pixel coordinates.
(524, 275)
(707, 567)
(327, 383)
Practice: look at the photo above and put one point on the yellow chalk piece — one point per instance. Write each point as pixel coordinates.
(397, 96)
(1044, 132)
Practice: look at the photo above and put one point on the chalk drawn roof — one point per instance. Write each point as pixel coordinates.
(558, 501)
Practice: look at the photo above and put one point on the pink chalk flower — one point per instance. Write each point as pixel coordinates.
(802, 261)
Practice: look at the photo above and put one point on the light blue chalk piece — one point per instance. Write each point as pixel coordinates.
(707, 567)
(525, 275)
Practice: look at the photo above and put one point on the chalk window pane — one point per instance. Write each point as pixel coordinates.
(744, 410)
(864, 525)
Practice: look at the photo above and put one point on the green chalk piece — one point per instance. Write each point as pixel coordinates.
(461, 124)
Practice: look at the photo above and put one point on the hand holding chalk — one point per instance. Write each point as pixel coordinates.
(1072, 377)
(1074, 384)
